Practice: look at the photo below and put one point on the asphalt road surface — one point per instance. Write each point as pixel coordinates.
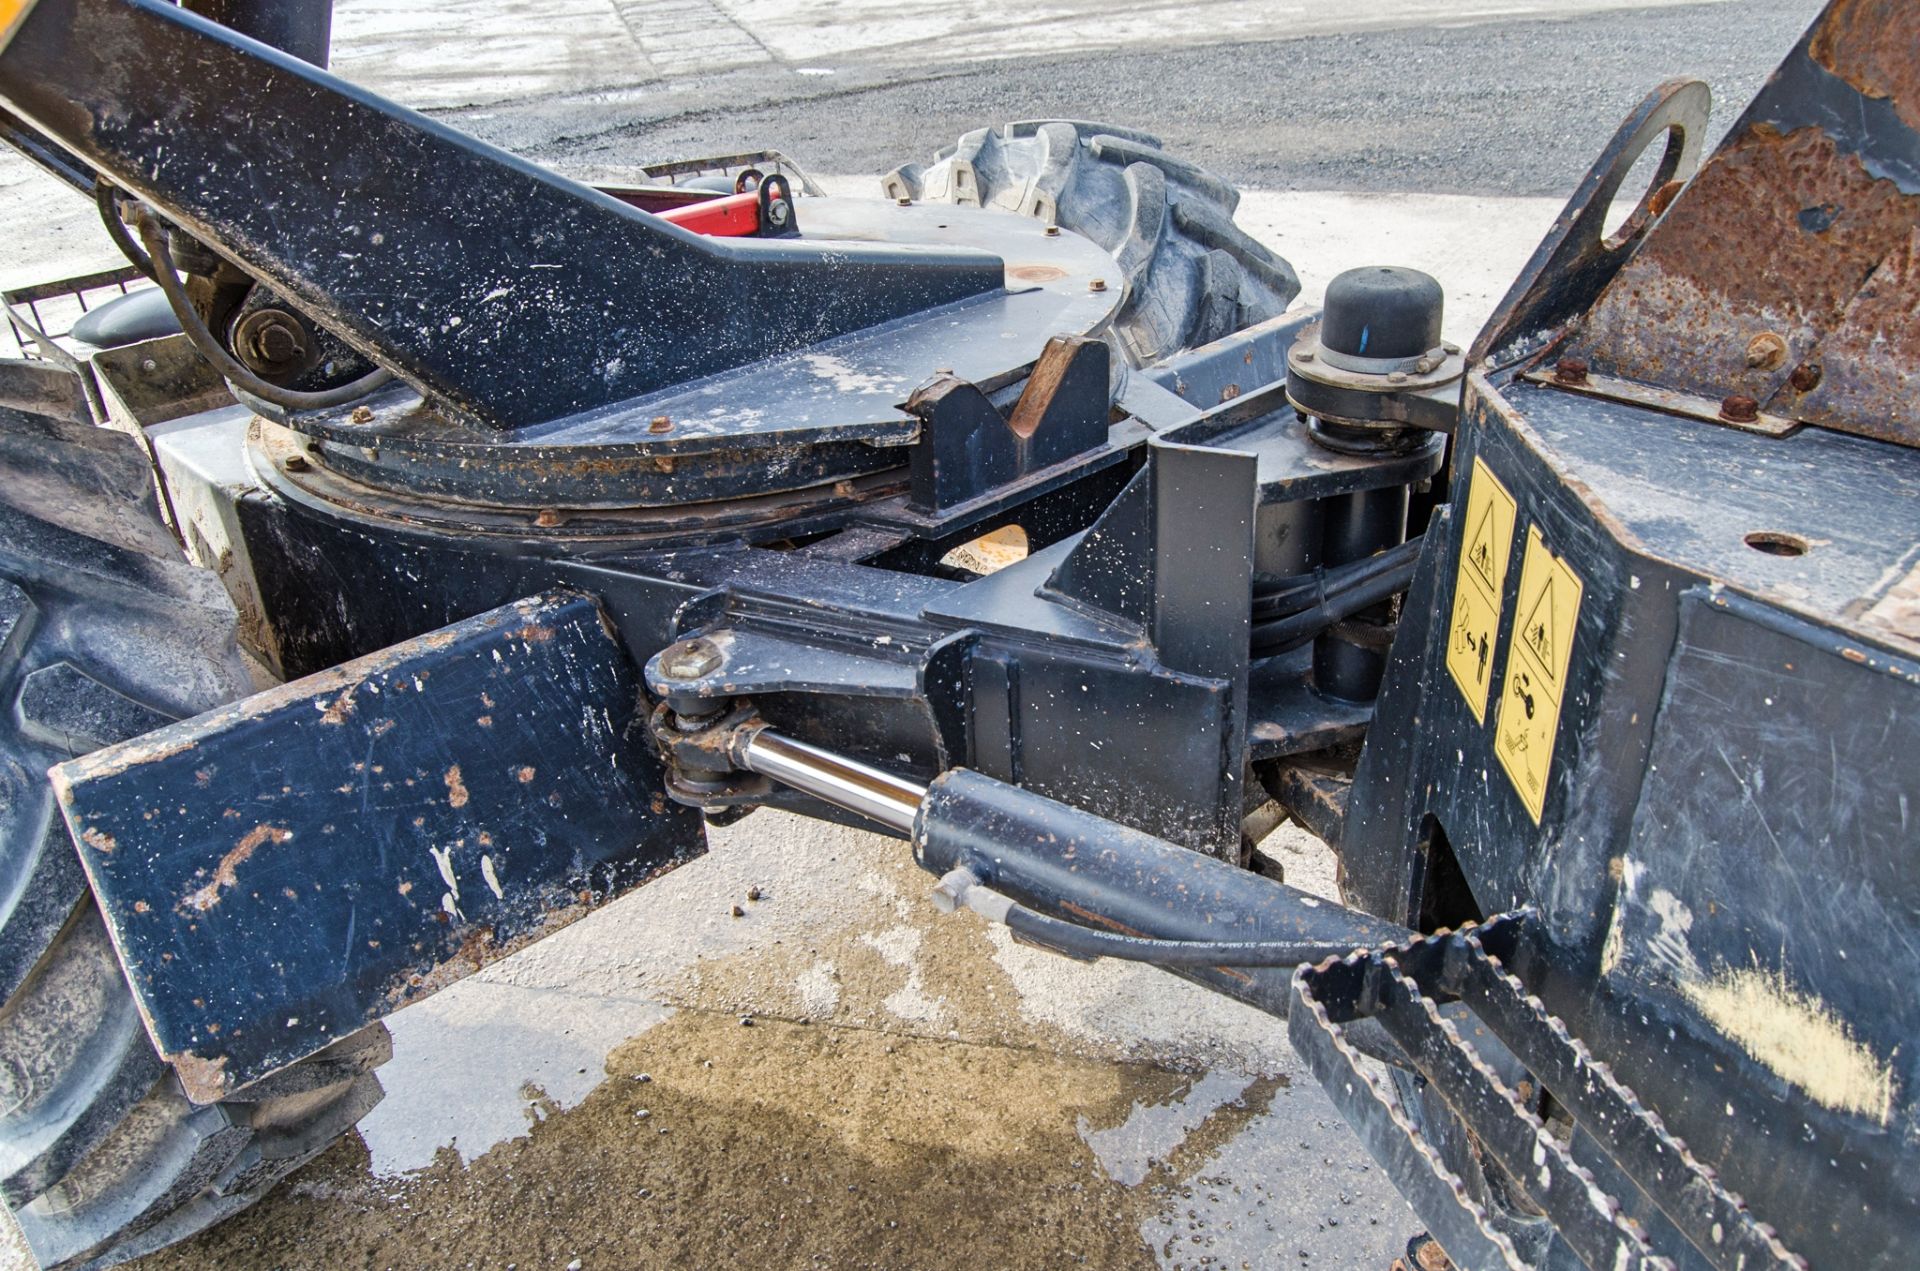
(1516, 107)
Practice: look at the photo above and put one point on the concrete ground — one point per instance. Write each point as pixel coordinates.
(840, 1076)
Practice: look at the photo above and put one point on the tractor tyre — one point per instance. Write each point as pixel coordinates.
(1191, 274)
(106, 632)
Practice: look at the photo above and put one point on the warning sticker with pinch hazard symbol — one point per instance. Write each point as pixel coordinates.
(1487, 542)
(1545, 617)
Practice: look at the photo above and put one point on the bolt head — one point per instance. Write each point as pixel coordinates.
(690, 659)
(1052, 231)
(362, 415)
(148, 365)
(661, 423)
(1738, 408)
(1570, 370)
(1767, 351)
(1098, 284)
(1806, 377)
(904, 202)
(1396, 377)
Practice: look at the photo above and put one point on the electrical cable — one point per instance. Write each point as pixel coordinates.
(225, 363)
(103, 192)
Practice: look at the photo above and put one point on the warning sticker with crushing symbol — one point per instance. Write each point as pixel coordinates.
(1484, 550)
(1545, 617)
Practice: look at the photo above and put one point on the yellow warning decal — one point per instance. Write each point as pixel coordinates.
(1476, 592)
(1545, 618)
(12, 14)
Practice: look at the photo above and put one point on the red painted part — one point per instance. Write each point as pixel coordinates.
(730, 216)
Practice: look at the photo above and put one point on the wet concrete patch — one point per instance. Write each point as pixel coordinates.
(777, 1144)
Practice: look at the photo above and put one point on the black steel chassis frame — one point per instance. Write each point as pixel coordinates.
(477, 571)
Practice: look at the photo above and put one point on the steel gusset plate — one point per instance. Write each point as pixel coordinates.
(277, 873)
(1681, 1214)
(1788, 271)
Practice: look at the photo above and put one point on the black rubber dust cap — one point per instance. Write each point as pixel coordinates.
(1382, 311)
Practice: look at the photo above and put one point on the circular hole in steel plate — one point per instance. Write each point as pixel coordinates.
(1777, 543)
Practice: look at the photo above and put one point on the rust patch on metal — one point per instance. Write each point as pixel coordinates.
(225, 874)
(340, 709)
(1036, 273)
(1777, 234)
(1868, 361)
(1870, 44)
(98, 841)
(204, 1080)
(456, 788)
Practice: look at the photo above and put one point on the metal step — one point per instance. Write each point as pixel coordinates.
(1404, 988)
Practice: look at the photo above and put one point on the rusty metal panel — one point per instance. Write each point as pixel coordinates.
(1784, 271)
(280, 872)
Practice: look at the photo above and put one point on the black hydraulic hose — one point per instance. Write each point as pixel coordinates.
(103, 192)
(1084, 942)
(203, 339)
(1280, 634)
(1296, 595)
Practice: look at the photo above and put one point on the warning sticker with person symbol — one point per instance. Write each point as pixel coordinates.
(1484, 550)
(1545, 618)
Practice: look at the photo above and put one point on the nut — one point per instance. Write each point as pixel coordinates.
(1098, 284)
(362, 415)
(1570, 370)
(297, 463)
(903, 202)
(661, 423)
(1766, 351)
(1738, 408)
(1806, 377)
(690, 659)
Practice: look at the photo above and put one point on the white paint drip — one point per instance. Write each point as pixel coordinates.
(842, 375)
(443, 857)
(493, 879)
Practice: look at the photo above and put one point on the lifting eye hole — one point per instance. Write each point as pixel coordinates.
(1777, 543)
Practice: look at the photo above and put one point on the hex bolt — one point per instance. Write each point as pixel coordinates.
(1738, 408)
(903, 202)
(1766, 351)
(1396, 377)
(148, 365)
(297, 463)
(690, 659)
(1098, 284)
(1052, 231)
(1805, 377)
(1570, 370)
(362, 415)
(661, 423)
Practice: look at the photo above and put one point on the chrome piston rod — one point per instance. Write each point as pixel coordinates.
(845, 783)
